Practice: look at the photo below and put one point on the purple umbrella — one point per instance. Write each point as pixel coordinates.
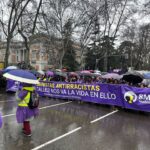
(22, 76)
(9, 68)
(112, 75)
(50, 73)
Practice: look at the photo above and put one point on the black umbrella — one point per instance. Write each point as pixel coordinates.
(133, 77)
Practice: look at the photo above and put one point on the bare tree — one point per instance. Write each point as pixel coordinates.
(143, 51)
(16, 9)
(28, 25)
(56, 14)
(108, 16)
(136, 39)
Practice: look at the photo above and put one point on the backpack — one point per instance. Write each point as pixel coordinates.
(34, 100)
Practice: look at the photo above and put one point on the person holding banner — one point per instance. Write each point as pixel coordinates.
(24, 114)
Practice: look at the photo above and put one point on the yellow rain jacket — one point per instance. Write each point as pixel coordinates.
(25, 101)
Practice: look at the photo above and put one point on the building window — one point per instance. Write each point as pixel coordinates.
(17, 56)
(34, 56)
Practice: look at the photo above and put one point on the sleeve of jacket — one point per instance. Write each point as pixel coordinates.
(22, 94)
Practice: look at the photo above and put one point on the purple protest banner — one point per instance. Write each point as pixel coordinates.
(136, 98)
(95, 93)
(12, 85)
(118, 95)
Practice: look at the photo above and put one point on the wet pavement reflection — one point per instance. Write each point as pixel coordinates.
(124, 130)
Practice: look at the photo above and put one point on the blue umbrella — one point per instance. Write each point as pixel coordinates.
(9, 68)
(22, 76)
(34, 72)
(146, 75)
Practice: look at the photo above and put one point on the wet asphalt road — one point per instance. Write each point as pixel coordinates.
(68, 126)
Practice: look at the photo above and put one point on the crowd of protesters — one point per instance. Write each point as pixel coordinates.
(78, 77)
(88, 79)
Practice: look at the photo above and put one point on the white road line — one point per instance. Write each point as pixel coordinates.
(55, 105)
(56, 139)
(104, 116)
(42, 108)
(8, 115)
(8, 101)
(68, 133)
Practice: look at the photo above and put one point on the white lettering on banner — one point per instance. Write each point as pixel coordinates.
(71, 92)
(82, 93)
(143, 98)
(46, 90)
(94, 94)
(55, 91)
(39, 88)
(107, 95)
(63, 91)
(140, 96)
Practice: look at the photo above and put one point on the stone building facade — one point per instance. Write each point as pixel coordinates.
(44, 52)
(17, 52)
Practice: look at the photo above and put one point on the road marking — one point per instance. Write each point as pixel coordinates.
(8, 115)
(68, 133)
(56, 139)
(55, 105)
(42, 108)
(8, 101)
(104, 116)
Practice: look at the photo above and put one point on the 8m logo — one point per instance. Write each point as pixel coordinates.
(130, 97)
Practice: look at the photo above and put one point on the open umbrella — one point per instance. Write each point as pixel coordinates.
(85, 71)
(34, 72)
(96, 74)
(133, 77)
(73, 74)
(22, 76)
(146, 75)
(112, 75)
(58, 70)
(41, 72)
(9, 68)
(50, 73)
(62, 74)
(97, 71)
